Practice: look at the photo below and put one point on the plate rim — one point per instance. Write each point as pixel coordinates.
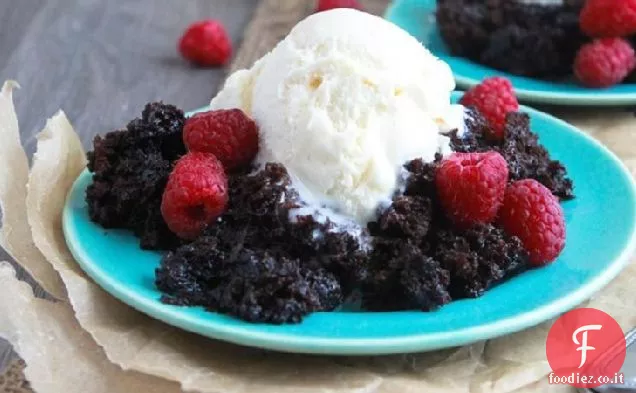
(602, 98)
(366, 346)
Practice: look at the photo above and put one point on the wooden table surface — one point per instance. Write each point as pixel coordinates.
(101, 60)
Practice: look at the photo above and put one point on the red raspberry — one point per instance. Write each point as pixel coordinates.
(604, 62)
(206, 43)
(325, 5)
(608, 18)
(227, 133)
(471, 186)
(196, 194)
(534, 215)
(494, 98)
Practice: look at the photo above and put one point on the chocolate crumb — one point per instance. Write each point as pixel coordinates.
(478, 258)
(130, 169)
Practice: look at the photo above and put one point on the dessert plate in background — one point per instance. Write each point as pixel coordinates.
(601, 235)
(418, 18)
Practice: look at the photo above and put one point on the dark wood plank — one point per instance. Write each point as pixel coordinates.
(100, 61)
(14, 23)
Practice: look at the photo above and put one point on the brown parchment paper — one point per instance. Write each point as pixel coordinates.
(61, 356)
(134, 342)
(13, 236)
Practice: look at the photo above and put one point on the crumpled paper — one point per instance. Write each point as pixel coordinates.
(63, 357)
(14, 236)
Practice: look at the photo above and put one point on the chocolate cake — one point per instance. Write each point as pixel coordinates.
(529, 39)
(272, 258)
(130, 169)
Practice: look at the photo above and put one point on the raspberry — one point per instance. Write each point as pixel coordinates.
(494, 98)
(227, 133)
(534, 215)
(196, 194)
(325, 5)
(206, 43)
(471, 186)
(608, 18)
(604, 62)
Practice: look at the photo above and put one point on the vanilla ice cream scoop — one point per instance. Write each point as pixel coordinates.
(344, 101)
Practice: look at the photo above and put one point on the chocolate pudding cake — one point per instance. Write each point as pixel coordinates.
(535, 39)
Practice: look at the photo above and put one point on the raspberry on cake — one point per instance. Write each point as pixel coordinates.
(604, 62)
(227, 133)
(609, 18)
(494, 98)
(532, 213)
(471, 187)
(195, 195)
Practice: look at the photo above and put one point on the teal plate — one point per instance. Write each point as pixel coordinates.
(601, 230)
(418, 18)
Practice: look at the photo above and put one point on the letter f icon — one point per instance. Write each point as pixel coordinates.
(583, 343)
